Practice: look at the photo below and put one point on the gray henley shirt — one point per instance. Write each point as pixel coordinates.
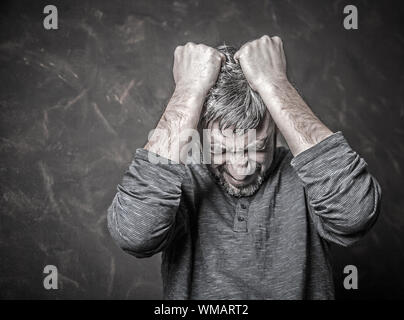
(272, 245)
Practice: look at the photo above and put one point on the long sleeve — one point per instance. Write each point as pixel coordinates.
(343, 197)
(142, 215)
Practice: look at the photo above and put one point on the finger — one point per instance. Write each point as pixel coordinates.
(283, 57)
(223, 57)
(190, 44)
(239, 51)
(237, 56)
(204, 46)
(265, 37)
(178, 49)
(278, 42)
(246, 44)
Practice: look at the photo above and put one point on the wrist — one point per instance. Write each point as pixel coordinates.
(274, 94)
(190, 92)
(273, 86)
(187, 100)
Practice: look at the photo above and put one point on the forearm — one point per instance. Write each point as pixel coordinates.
(343, 197)
(143, 213)
(182, 113)
(298, 124)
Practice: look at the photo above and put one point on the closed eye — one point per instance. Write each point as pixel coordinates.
(259, 149)
(217, 150)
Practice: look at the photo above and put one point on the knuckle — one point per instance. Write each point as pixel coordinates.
(213, 52)
(208, 49)
(177, 51)
(247, 46)
(277, 39)
(265, 37)
(257, 42)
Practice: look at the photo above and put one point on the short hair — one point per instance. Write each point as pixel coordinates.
(232, 101)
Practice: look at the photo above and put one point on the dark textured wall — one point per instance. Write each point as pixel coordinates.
(75, 104)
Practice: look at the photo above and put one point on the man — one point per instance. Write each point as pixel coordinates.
(255, 221)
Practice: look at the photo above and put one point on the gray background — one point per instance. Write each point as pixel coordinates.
(75, 104)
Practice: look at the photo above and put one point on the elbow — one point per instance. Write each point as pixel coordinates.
(135, 247)
(362, 213)
(134, 237)
(348, 221)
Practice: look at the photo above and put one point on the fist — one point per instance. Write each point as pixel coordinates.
(263, 61)
(196, 67)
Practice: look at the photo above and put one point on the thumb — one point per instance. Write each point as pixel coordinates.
(223, 57)
(237, 56)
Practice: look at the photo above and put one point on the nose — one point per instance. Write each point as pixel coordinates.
(239, 166)
(240, 159)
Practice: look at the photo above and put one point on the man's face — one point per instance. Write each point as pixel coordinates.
(241, 161)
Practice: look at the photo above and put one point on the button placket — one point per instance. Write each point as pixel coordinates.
(241, 216)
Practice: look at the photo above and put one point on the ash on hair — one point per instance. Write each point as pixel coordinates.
(231, 100)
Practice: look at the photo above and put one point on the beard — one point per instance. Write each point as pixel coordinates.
(242, 191)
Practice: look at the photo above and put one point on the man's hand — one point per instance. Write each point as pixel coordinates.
(263, 62)
(196, 67)
(264, 66)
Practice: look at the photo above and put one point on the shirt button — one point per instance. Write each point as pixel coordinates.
(241, 219)
(243, 206)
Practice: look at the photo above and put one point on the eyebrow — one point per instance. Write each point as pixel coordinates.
(262, 141)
